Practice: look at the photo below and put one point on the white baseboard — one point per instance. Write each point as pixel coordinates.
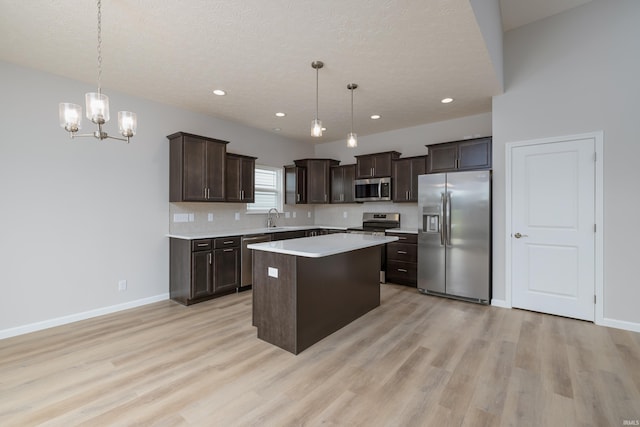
(38, 326)
(620, 324)
(500, 303)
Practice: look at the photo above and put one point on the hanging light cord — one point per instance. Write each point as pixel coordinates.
(352, 110)
(99, 46)
(317, 93)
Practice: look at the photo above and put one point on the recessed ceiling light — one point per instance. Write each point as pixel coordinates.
(276, 129)
(324, 129)
(219, 92)
(280, 114)
(375, 116)
(447, 100)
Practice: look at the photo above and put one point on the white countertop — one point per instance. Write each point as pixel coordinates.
(248, 231)
(321, 246)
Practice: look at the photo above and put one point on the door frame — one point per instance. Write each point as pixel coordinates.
(598, 138)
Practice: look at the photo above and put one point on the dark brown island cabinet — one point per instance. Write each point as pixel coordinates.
(309, 181)
(196, 168)
(404, 176)
(240, 178)
(377, 165)
(468, 154)
(202, 269)
(402, 259)
(342, 184)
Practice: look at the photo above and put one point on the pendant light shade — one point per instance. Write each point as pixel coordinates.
(352, 138)
(97, 105)
(316, 124)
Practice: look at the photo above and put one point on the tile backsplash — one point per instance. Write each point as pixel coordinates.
(205, 217)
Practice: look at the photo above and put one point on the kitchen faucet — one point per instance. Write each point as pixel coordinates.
(270, 221)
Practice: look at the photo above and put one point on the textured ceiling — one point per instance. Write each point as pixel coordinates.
(405, 55)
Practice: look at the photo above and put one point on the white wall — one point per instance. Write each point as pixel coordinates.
(573, 73)
(408, 141)
(79, 215)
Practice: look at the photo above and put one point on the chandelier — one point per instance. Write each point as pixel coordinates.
(97, 105)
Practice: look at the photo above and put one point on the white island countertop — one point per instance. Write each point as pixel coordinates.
(321, 246)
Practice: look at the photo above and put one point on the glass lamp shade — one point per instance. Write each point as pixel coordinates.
(352, 140)
(316, 128)
(70, 116)
(128, 123)
(97, 107)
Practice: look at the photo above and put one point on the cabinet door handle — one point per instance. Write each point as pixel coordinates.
(209, 256)
(241, 194)
(227, 250)
(204, 192)
(402, 270)
(402, 252)
(298, 197)
(325, 197)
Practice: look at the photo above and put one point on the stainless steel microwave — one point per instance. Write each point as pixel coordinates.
(373, 189)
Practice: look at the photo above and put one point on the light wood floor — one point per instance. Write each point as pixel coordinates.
(413, 361)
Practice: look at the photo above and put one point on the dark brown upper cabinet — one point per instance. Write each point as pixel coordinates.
(377, 165)
(240, 178)
(295, 185)
(196, 168)
(405, 178)
(314, 176)
(468, 154)
(342, 184)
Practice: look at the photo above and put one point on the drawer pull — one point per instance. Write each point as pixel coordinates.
(201, 245)
(227, 250)
(402, 252)
(402, 270)
(228, 242)
(402, 238)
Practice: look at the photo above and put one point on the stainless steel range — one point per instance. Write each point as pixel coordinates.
(375, 223)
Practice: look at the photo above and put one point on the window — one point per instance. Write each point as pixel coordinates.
(268, 190)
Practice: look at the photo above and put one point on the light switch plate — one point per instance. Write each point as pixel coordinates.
(272, 272)
(210, 217)
(294, 214)
(287, 214)
(237, 216)
(183, 217)
(344, 214)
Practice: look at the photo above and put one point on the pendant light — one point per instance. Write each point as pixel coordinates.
(352, 138)
(97, 106)
(316, 124)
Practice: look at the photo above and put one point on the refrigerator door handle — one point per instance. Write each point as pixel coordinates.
(444, 222)
(448, 218)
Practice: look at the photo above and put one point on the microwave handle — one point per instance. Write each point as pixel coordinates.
(380, 189)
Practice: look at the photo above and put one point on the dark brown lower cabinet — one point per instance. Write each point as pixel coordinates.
(203, 269)
(402, 259)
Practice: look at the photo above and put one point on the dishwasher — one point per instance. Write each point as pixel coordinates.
(246, 272)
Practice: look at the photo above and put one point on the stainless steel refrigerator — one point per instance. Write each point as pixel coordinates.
(454, 239)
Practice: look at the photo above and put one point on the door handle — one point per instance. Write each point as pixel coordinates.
(442, 226)
(449, 218)
(518, 235)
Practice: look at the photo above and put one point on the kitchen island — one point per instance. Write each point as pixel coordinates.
(306, 289)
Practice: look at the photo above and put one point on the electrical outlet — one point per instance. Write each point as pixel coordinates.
(344, 214)
(237, 216)
(192, 217)
(294, 214)
(210, 217)
(309, 214)
(122, 285)
(287, 214)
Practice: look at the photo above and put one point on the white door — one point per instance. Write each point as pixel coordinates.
(553, 227)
